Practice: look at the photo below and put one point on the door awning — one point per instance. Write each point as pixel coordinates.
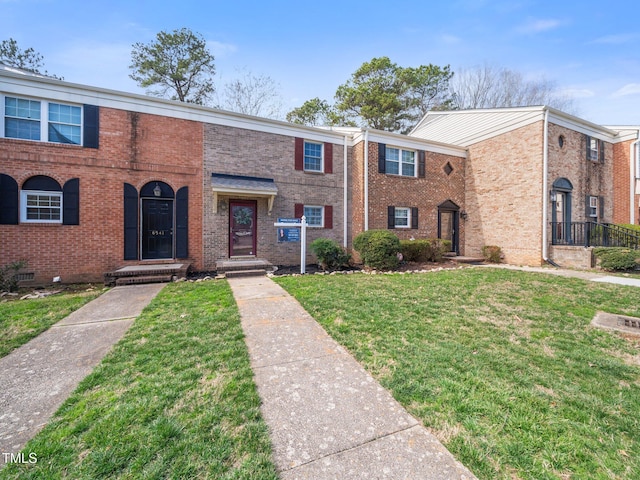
(240, 186)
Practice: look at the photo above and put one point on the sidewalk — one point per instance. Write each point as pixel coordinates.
(37, 377)
(562, 272)
(327, 417)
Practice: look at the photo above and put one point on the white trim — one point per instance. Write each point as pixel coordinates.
(56, 90)
(23, 205)
(545, 188)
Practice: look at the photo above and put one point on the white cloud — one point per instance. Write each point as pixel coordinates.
(577, 92)
(538, 25)
(450, 39)
(628, 89)
(220, 49)
(618, 39)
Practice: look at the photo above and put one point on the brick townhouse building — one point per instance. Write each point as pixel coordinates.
(92, 180)
(534, 174)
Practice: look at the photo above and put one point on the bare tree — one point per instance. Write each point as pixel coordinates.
(495, 87)
(251, 94)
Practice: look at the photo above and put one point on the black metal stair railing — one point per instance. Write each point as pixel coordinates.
(591, 234)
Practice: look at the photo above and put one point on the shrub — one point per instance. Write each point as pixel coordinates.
(428, 250)
(8, 280)
(617, 258)
(631, 226)
(378, 249)
(331, 255)
(492, 253)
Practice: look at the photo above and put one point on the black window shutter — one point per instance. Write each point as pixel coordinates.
(382, 158)
(8, 200)
(601, 209)
(421, 163)
(182, 223)
(601, 150)
(130, 222)
(71, 202)
(588, 146)
(91, 126)
(587, 209)
(414, 217)
(391, 217)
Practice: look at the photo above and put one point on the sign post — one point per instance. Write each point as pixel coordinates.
(288, 232)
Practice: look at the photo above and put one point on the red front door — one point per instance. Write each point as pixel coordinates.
(242, 228)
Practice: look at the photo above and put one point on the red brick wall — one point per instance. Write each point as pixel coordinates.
(621, 187)
(400, 191)
(134, 148)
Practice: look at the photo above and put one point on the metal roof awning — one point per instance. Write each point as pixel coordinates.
(243, 187)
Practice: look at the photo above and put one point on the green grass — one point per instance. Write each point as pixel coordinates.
(22, 320)
(174, 399)
(502, 366)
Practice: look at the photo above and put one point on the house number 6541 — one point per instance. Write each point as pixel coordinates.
(157, 232)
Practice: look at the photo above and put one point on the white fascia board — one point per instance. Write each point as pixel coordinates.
(416, 143)
(48, 89)
(625, 133)
(583, 126)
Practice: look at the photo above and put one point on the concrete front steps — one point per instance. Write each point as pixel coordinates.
(243, 267)
(146, 273)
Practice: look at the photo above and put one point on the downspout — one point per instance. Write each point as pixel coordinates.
(545, 187)
(345, 197)
(366, 180)
(633, 161)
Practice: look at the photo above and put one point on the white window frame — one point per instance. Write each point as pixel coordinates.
(23, 205)
(44, 119)
(408, 217)
(400, 161)
(321, 216)
(594, 154)
(593, 206)
(304, 157)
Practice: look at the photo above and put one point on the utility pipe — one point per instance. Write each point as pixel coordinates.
(545, 187)
(345, 196)
(633, 161)
(366, 180)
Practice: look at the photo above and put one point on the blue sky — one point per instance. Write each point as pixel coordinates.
(589, 48)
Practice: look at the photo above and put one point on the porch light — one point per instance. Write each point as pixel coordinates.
(157, 191)
(552, 195)
(463, 214)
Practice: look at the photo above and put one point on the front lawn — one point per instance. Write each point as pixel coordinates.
(502, 366)
(174, 399)
(22, 320)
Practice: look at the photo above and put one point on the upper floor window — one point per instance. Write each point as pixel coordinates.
(29, 119)
(313, 156)
(595, 149)
(400, 162)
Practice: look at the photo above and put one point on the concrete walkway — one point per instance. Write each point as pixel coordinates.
(563, 272)
(327, 417)
(37, 377)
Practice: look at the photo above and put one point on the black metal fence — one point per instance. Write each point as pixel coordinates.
(591, 234)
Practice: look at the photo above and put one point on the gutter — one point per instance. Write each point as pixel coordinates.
(366, 179)
(345, 197)
(633, 161)
(545, 187)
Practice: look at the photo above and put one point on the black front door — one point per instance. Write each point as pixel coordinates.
(157, 228)
(448, 222)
